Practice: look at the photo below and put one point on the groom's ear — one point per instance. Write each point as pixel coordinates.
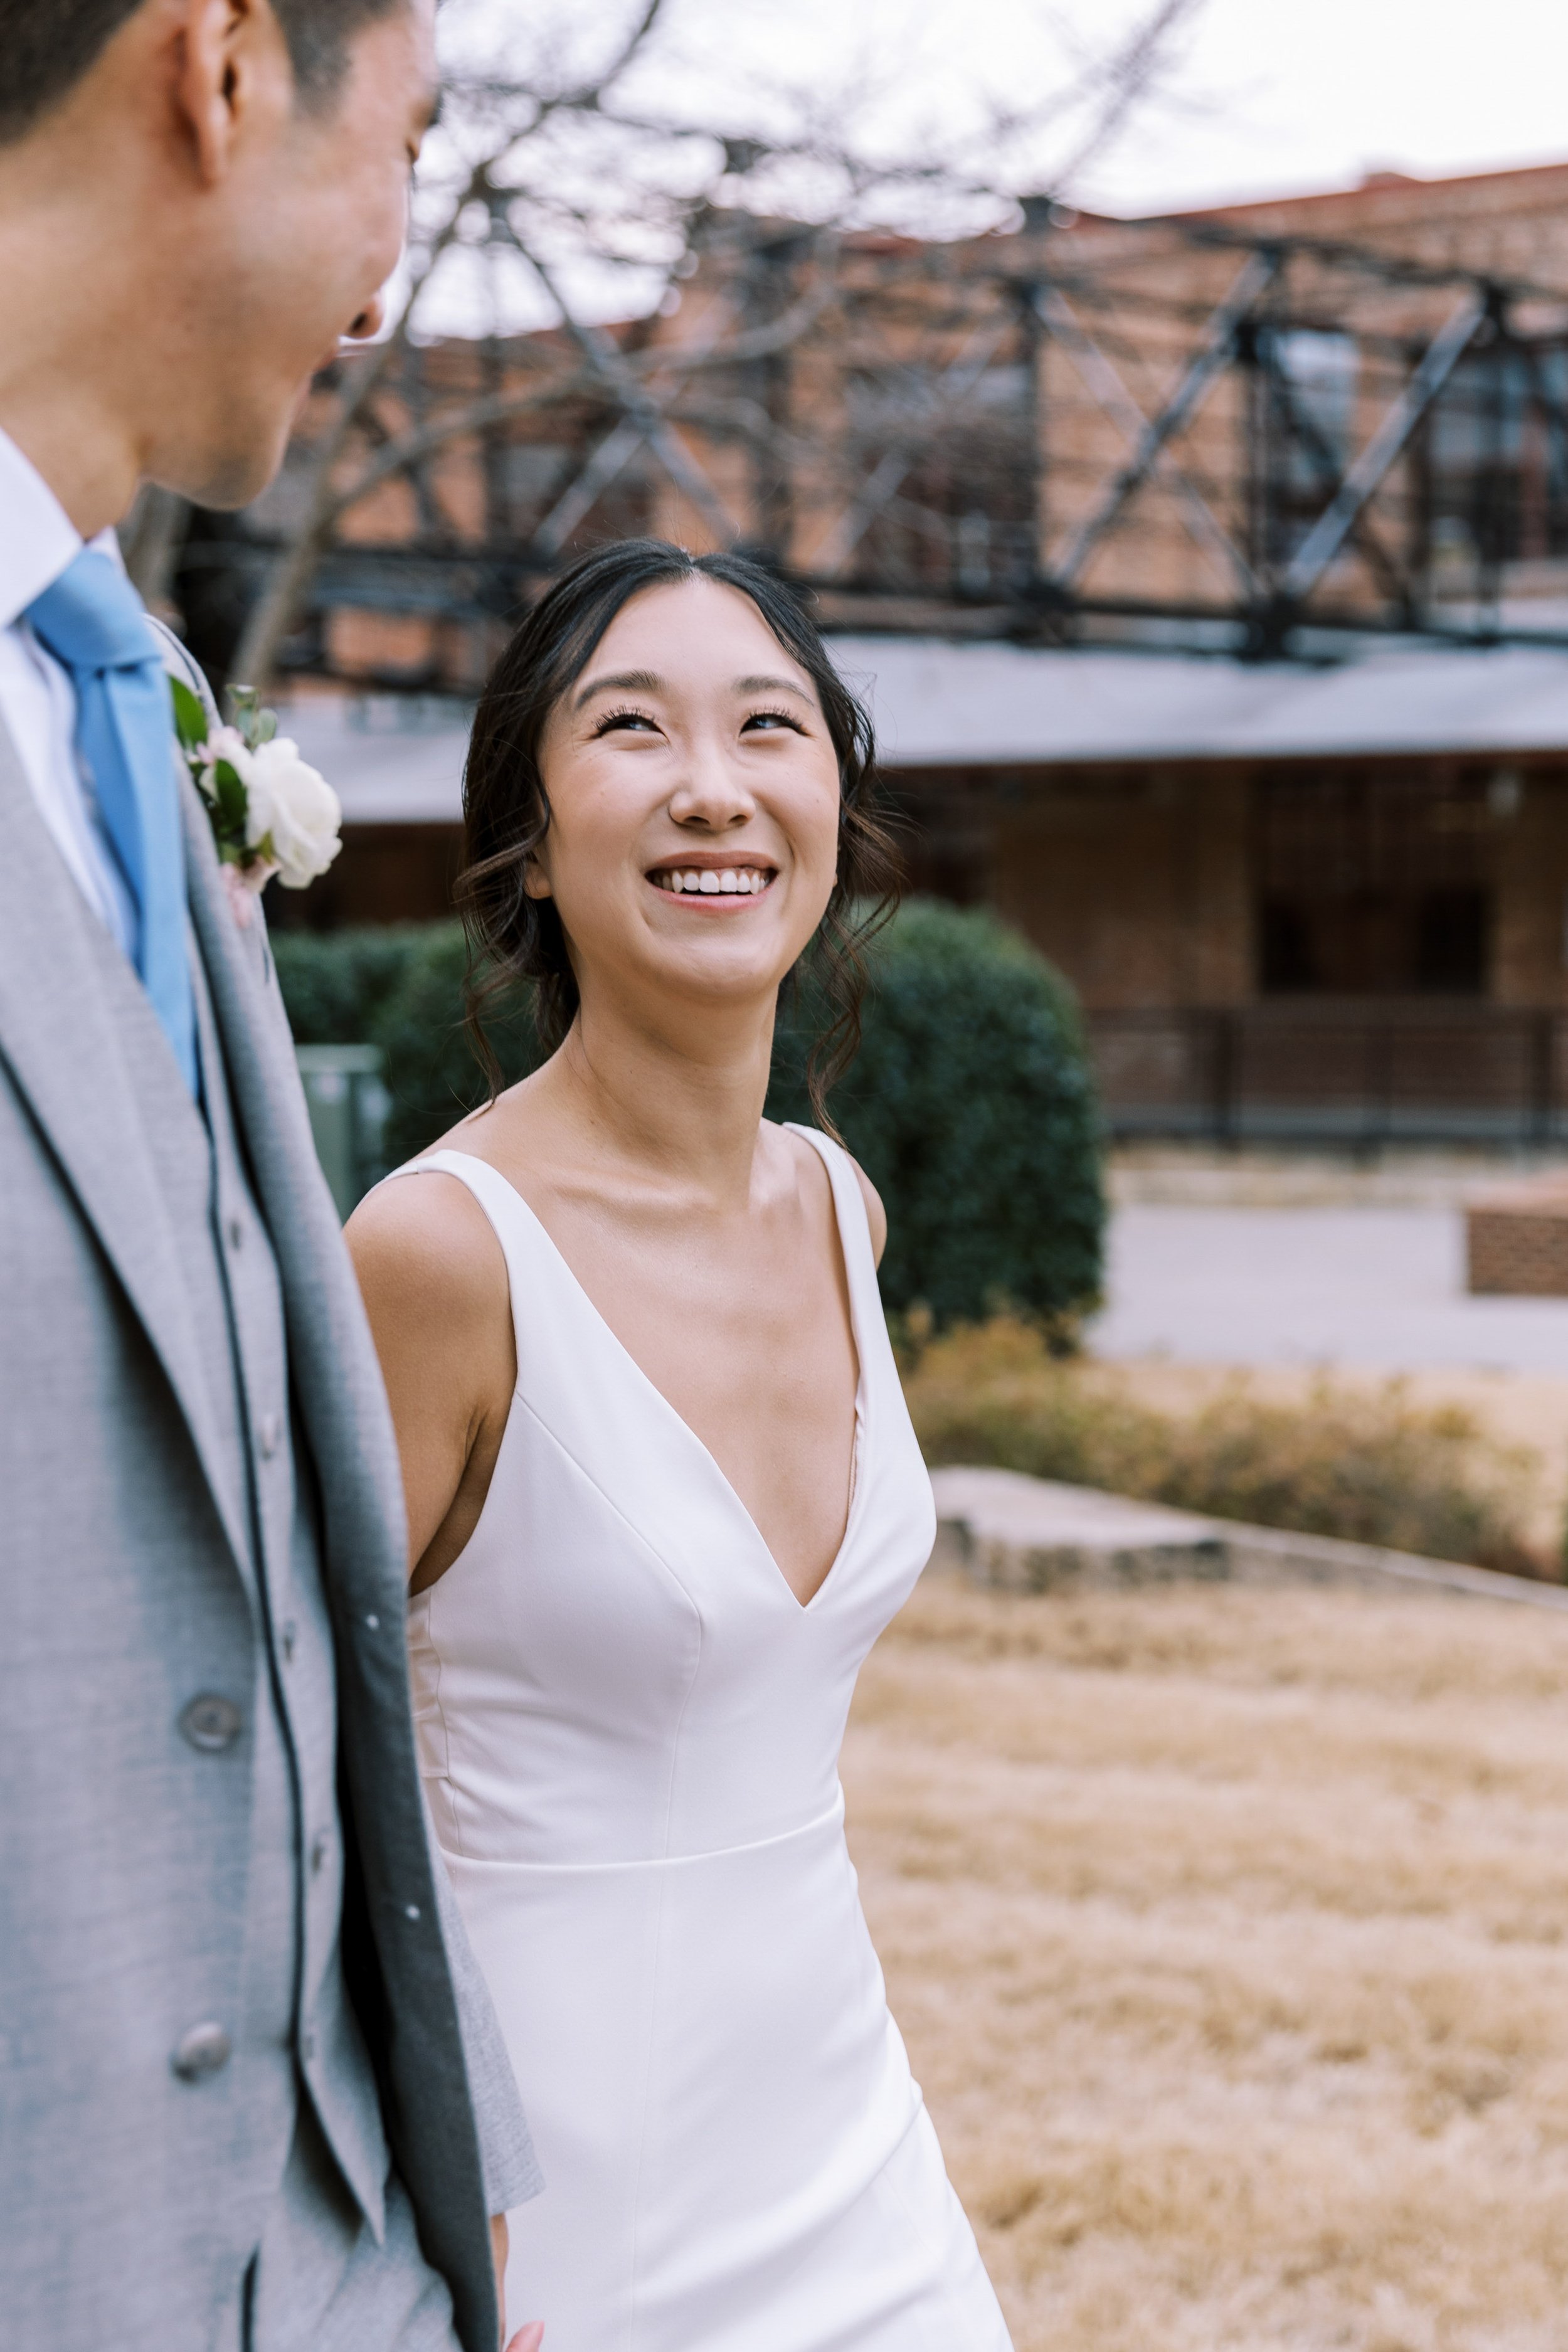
(228, 64)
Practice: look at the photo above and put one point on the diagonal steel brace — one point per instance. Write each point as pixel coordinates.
(1056, 315)
(1333, 526)
(1197, 379)
(957, 381)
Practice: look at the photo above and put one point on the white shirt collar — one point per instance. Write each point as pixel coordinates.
(39, 540)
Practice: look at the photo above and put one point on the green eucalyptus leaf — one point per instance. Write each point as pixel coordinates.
(191, 722)
(231, 799)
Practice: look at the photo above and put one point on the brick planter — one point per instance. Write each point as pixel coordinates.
(1516, 1239)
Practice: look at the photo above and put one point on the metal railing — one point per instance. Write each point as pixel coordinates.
(348, 1106)
(1340, 1071)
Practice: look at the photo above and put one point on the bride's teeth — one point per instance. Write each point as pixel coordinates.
(728, 881)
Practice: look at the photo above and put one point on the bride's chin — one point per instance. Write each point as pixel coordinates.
(723, 972)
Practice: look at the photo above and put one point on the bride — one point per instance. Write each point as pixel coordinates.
(664, 1492)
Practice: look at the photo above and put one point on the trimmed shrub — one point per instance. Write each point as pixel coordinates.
(430, 1070)
(970, 1105)
(336, 984)
(400, 986)
(1372, 1467)
(972, 1109)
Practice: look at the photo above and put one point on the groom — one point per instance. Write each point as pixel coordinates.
(252, 2096)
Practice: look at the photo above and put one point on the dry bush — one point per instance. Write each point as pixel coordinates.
(1229, 1933)
(1368, 1465)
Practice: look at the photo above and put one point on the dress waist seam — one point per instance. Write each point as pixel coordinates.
(830, 1820)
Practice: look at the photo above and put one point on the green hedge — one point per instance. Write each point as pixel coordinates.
(970, 1105)
(399, 986)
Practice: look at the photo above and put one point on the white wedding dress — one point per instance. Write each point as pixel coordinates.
(630, 1729)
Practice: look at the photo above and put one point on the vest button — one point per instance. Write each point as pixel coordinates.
(205, 2050)
(211, 1723)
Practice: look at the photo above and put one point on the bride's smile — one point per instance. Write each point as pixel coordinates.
(692, 877)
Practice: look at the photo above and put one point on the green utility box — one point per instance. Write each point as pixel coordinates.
(348, 1105)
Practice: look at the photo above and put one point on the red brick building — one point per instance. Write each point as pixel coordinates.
(1210, 575)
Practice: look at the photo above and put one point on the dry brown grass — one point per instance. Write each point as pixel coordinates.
(1523, 1410)
(1370, 1460)
(1226, 1929)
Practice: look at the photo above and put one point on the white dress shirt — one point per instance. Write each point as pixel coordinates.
(38, 700)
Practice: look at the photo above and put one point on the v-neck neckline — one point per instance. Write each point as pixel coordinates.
(862, 1393)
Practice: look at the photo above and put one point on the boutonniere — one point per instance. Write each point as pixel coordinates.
(270, 811)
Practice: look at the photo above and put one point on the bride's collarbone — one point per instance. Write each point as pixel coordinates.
(748, 1338)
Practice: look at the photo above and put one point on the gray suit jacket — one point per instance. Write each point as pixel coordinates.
(120, 1884)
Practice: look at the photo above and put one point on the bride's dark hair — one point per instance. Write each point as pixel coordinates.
(515, 939)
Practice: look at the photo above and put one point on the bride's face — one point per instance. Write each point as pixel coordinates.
(694, 799)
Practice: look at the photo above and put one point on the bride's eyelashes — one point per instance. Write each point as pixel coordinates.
(627, 719)
(771, 718)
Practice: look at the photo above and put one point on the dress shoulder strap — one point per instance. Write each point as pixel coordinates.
(849, 1206)
(511, 1219)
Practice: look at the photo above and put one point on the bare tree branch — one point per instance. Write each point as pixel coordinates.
(563, 176)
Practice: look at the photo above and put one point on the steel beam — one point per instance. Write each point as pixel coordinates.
(587, 484)
(1197, 381)
(1056, 315)
(953, 388)
(1399, 588)
(1333, 526)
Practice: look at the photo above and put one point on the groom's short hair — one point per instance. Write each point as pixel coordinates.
(47, 46)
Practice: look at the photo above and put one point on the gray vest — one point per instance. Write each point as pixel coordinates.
(291, 2018)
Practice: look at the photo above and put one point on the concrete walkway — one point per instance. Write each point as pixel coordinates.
(1381, 1286)
(1035, 1535)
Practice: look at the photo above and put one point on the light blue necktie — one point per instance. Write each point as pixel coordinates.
(92, 620)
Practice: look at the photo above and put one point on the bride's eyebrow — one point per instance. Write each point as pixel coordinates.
(623, 681)
(771, 685)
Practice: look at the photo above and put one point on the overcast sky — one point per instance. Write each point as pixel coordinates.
(1278, 94)
(1308, 93)
(1263, 97)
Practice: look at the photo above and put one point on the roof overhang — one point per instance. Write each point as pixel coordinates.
(940, 705)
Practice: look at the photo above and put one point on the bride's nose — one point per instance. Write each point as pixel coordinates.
(710, 793)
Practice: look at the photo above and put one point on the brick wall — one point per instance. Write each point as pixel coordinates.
(1516, 1239)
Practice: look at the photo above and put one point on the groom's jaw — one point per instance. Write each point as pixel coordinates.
(199, 201)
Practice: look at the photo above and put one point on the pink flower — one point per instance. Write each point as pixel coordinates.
(245, 885)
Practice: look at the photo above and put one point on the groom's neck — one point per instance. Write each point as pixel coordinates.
(69, 380)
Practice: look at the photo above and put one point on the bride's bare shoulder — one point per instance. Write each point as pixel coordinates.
(423, 1241)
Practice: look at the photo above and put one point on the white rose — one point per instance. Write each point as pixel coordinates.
(292, 810)
(223, 743)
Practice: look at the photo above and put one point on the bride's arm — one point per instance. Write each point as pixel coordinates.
(434, 1287)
